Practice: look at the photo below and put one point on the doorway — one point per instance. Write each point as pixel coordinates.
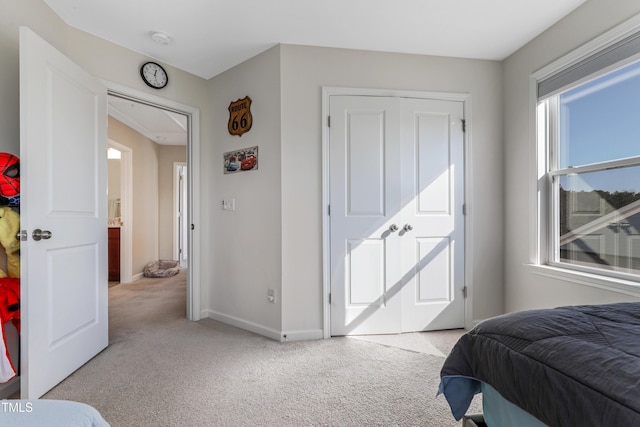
(191, 184)
(120, 202)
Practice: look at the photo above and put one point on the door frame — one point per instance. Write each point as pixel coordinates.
(194, 312)
(465, 98)
(126, 210)
(177, 189)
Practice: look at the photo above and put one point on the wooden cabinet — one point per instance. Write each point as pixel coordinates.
(114, 254)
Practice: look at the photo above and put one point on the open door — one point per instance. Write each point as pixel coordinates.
(63, 116)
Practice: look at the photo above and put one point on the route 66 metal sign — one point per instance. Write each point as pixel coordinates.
(240, 118)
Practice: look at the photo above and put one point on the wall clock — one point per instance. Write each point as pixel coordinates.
(154, 75)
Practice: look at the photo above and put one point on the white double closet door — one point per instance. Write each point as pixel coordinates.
(396, 214)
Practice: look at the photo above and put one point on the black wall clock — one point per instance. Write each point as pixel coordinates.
(154, 75)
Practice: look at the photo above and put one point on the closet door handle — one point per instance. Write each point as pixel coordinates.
(408, 227)
(41, 234)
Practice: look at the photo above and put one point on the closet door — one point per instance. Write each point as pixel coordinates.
(365, 192)
(396, 221)
(432, 232)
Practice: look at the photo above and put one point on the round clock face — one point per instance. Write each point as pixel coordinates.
(154, 75)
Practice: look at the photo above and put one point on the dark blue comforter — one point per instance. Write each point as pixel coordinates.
(568, 366)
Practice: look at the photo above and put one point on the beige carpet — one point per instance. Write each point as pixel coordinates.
(162, 370)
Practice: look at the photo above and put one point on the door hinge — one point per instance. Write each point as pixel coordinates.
(329, 297)
(464, 125)
(464, 292)
(329, 210)
(328, 121)
(464, 209)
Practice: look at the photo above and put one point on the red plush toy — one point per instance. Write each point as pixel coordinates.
(9, 287)
(9, 175)
(9, 310)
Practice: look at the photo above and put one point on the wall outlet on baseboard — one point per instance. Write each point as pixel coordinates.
(271, 296)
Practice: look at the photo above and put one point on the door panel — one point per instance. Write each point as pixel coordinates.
(433, 193)
(435, 255)
(396, 162)
(365, 188)
(432, 163)
(365, 272)
(67, 318)
(365, 163)
(63, 173)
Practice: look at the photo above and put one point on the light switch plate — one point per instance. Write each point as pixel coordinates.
(229, 204)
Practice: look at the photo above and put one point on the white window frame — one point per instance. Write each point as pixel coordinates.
(544, 139)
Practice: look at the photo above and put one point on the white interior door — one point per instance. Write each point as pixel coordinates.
(396, 224)
(182, 229)
(365, 191)
(432, 253)
(64, 180)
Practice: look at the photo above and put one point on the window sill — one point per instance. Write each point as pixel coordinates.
(611, 284)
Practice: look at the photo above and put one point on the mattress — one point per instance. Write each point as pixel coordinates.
(576, 365)
(499, 412)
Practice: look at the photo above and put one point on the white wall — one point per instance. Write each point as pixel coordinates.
(305, 70)
(523, 288)
(245, 253)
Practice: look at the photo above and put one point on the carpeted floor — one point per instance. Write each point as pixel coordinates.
(162, 370)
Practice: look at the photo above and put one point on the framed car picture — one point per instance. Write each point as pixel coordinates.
(243, 160)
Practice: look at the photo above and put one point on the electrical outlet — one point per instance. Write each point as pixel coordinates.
(271, 296)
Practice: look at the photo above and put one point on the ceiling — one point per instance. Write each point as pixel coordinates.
(211, 36)
(161, 126)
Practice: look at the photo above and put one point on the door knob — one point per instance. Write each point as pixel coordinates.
(408, 227)
(393, 228)
(41, 234)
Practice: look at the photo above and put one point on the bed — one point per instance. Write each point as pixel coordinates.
(50, 413)
(567, 366)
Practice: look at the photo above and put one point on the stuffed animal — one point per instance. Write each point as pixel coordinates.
(9, 227)
(10, 178)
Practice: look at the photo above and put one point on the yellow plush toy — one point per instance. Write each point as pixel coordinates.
(9, 227)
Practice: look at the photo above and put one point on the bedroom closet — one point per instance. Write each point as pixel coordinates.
(396, 196)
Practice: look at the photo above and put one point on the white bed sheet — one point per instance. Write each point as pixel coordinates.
(49, 413)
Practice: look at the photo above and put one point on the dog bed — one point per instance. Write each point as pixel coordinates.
(162, 268)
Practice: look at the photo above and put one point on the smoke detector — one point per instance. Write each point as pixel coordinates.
(161, 38)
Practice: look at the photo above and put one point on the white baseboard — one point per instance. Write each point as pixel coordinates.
(137, 277)
(243, 324)
(314, 334)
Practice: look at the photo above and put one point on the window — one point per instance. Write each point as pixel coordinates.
(592, 131)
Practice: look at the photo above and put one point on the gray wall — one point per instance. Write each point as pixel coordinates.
(277, 241)
(305, 70)
(246, 254)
